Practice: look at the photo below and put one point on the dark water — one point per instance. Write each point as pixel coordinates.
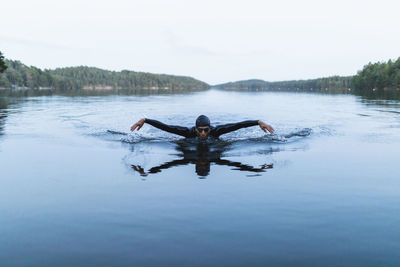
(77, 189)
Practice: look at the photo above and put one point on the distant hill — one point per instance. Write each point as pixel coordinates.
(330, 84)
(86, 80)
(374, 78)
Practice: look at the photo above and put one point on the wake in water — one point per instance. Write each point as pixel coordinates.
(285, 138)
(133, 138)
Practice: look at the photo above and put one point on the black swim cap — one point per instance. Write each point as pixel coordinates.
(202, 120)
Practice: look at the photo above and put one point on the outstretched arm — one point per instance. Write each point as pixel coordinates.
(179, 130)
(227, 128)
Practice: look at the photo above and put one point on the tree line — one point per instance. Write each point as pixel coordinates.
(330, 84)
(374, 78)
(19, 77)
(378, 76)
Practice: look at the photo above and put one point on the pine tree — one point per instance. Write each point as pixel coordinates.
(3, 66)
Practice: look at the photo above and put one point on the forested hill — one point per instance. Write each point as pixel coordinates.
(331, 84)
(373, 78)
(379, 76)
(19, 77)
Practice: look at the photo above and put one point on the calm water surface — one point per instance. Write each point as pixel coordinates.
(78, 189)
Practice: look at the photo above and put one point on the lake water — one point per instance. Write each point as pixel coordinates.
(78, 189)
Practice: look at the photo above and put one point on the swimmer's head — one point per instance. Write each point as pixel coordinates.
(202, 127)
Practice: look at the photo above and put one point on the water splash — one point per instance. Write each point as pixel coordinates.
(135, 137)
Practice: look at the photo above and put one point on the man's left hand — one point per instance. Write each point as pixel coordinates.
(266, 127)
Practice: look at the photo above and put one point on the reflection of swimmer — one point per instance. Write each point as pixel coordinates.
(203, 129)
(202, 155)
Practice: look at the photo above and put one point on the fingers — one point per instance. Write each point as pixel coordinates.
(270, 129)
(134, 127)
(137, 126)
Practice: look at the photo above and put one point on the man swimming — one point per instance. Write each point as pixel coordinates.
(203, 128)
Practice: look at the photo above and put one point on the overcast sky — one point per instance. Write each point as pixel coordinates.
(214, 41)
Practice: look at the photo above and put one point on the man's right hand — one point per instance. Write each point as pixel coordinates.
(138, 125)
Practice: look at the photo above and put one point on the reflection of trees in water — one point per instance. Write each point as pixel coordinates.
(383, 100)
(3, 114)
(202, 155)
(379, 95)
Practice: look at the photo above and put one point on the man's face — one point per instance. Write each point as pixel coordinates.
(202, 132)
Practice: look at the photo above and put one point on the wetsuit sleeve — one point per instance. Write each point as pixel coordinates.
(227, 128)
(179, 130)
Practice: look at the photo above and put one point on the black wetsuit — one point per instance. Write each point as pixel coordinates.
(190, 132)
